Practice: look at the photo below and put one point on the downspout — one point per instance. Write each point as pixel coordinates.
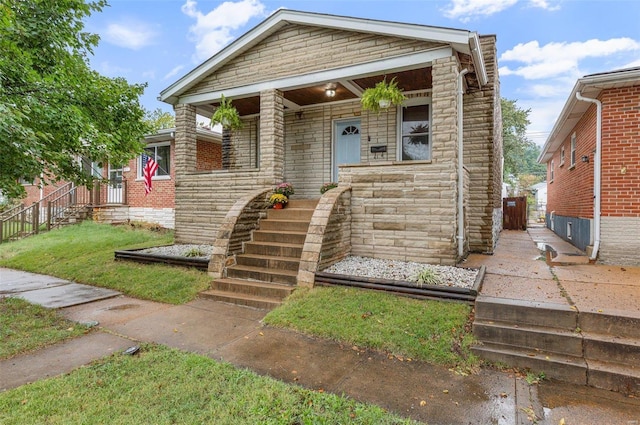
(460, 165)
(597, 170)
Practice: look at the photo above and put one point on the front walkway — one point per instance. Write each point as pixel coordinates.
(518, 270)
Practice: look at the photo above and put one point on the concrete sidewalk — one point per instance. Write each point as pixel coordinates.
(236, 335)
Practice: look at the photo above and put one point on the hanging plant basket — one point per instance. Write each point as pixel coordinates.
(382, 96)
(226, 115)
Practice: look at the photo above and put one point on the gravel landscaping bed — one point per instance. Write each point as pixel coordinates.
(402, 270)
(181, 250)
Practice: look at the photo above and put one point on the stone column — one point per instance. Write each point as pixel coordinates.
(271, 136)
(185, 139)
(444, 121)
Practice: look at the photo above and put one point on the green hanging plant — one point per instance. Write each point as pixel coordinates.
(226, 115)
(382, 96)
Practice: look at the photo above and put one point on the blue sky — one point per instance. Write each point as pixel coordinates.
(544, 46)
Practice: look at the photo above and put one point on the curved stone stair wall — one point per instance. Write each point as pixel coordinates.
(266, 271)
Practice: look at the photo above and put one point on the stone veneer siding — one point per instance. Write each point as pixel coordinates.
(315, 49)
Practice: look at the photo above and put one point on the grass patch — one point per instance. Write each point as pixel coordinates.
(25, 327)
(85, 253)
(166, 386)
(433, 331)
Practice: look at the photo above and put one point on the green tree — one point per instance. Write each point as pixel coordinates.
(514, 139)
(159, 119)
(54, 109)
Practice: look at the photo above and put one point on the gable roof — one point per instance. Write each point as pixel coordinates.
(461, 40)
(589, 86)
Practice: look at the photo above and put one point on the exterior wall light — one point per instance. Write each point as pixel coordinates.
(585, 158)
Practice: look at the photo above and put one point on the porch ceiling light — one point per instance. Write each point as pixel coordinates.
(330, 90)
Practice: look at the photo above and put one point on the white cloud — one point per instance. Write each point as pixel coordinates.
(465, 10)
(554, 59)
(130, 34)
(173, 72)
(212, 31)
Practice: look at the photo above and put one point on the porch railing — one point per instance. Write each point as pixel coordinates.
(55, 209)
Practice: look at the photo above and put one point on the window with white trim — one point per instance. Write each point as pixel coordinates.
(562, 155)
(415, 130)
(161, 154)
(573, 150)
(551, 170)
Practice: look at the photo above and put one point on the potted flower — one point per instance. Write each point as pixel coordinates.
(382, 96)
(328, 186)
(285, 189)
(226, 115)
(278, 201)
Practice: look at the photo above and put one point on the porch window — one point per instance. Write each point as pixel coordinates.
(415, 133)
(162, 155)
(573, 150)
(92, 168)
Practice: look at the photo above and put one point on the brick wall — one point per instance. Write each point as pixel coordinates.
(209, 156)
(570, 193)
(274, 57)
(621, 152)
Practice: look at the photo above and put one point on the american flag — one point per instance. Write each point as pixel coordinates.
(148, 171)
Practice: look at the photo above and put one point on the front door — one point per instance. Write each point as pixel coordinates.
(346, 145)
(114, 189)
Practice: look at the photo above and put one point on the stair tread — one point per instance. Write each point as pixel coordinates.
(264, 270)
(530, 353)
(279, 244)
(610, 338)
(527, 327)
(282, 232)
(240, 296)
(612, 367)
(269, 257)
(257, 283)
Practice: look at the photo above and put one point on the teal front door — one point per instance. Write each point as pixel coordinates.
(346, 144)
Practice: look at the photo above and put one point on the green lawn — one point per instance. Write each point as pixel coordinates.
(433, 331)
(166, 386)
(84, 253)
(25, 327)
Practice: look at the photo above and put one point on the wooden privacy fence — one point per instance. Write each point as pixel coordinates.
(514, 213)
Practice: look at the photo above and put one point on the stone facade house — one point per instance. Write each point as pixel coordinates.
(296, 80)
(593, 167)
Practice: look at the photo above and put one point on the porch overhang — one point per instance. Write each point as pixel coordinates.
(351, 81)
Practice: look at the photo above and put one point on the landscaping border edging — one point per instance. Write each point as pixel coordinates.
(145, 258)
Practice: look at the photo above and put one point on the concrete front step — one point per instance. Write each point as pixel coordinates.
(625, 351)
(263, 274)
(557, 341)
(268, 261)
(571, 369)
(610, 324)
(290, 225)
(283, 236)
(290, 213)
(614, 377)
(309, 204)
(274, 291)
(275, 249)
(263, 303)
(521, 312)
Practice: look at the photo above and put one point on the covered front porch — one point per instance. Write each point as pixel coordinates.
(296, 81)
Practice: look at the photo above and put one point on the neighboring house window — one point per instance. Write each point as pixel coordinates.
(573, 150)
(162, 155)
(92, 168)
(415, 128)
(551, 171)
(562, 155)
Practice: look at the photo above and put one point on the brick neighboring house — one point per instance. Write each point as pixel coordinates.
(597, 134)
(122, 198)
(296, 80)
